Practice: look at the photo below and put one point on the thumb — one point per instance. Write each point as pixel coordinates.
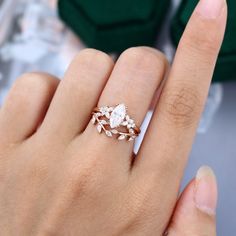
(195, 210)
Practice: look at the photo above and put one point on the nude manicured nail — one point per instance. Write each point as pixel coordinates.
(206, 190)
(210, 8)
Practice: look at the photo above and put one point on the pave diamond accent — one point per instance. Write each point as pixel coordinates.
(117, 116)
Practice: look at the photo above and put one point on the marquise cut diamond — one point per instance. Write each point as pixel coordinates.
(117, 116)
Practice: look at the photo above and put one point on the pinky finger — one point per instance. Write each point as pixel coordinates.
(195, 210)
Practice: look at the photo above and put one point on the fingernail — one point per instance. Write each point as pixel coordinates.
(210, 8)
(206, 190)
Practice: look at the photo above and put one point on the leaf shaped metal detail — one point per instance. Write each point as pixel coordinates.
(103, 122)
(99, 128)
(108, 133)
(93, 119)
(114, 131)
(121, 137)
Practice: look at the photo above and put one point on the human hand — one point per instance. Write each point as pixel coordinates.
(59, 176)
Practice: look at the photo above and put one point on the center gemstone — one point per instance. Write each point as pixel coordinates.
(117, 116)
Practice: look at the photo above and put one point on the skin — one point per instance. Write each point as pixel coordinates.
(58, 176)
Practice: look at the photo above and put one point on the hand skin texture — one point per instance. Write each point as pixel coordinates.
(60, 177)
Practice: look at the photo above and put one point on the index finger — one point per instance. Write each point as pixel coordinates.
(168, 141)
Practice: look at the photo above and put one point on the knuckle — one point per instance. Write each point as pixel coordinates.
(207, 43)
(25, 80)
(88, 58)
(35, 80)
(181, 106)
(29, 83)
(141, 204)
(145, 58)
(78, 184)
(84, 180)
(206, 46)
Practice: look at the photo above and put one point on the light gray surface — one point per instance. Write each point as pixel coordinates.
(217, 148)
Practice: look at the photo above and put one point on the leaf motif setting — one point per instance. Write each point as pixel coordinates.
(115, 122)
(99, 128)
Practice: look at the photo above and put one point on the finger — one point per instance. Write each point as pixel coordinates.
(168, 141)
(25, 106)
(133, 82)
(77, 94)
(195, 210)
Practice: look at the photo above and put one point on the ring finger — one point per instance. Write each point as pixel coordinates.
(133, 82)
